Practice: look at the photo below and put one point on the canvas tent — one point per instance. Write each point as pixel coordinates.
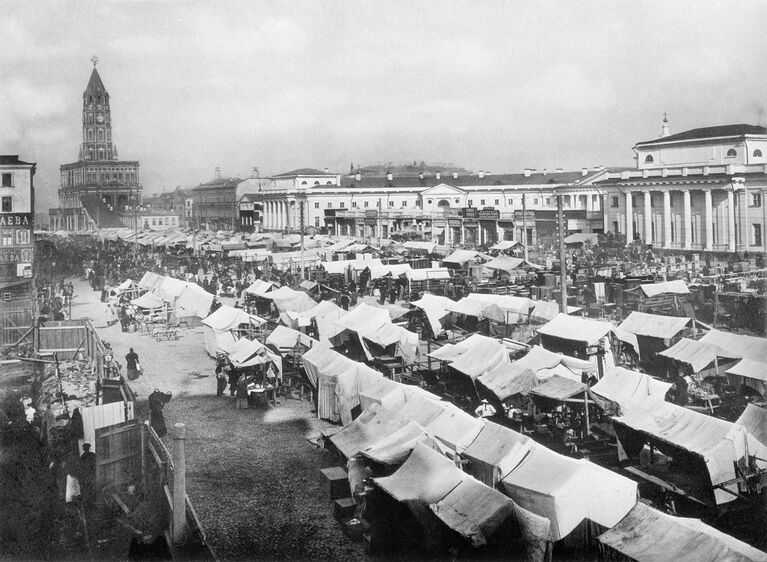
(649, 535)
(435, 309)
(220, 325)
(627, 390)
(495, 451)
(697, 354)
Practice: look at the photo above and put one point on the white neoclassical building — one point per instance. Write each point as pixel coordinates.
(699, 190)
(477, 208)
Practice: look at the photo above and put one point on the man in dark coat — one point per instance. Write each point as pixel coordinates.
(87, 473)
(157, 401)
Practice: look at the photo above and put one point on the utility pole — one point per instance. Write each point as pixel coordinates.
(562, 256)
(380, 227)
(524, 224)
(301, 217)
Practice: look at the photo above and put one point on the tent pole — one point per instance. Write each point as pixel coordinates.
(586, 404)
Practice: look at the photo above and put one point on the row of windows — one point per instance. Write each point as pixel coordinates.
(21, 237)
(88, 135)
(317, 183)
(731, 153)
(167, 221)
(470, 202)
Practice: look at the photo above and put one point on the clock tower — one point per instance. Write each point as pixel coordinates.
(97, 122)
(98, 190)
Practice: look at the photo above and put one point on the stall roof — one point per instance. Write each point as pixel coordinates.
(454, 427)
(229, 318)
(548, 310)
(749, 369)
(748, 347)
(479, 354)
(427, 247)
(469, 307)
(630, 389)
(506, 263)
(506, 245)
(574, 328)
(372, 425)
(647, 535)
(581, 237)
(260, 288)
(754, 419)
(394, 448)
(435, 307)
(676, 287)
(654, 325)
(428, 274)
(720, 443)
(508, 379)
(464, 256)
(697, 354)
(499, 447)
(283, 337)
(426, 476)
(559, 388)
(148, 300)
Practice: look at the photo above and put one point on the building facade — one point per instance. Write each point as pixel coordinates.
(699, 190)
(215, 204)
(471, 209)
(99, 187)
(17, 248)
(177, 203)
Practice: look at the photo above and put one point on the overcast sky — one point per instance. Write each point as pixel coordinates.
(492, 85)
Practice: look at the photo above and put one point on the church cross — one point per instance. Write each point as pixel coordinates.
(94, 60)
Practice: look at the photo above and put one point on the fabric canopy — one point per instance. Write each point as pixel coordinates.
(394, 449)
(478, 354)
(506, 245)
(567, 491)
(463, 256)
(676, 287)
(581, 237)
(260, 288)
(749, 369)
(454, 427)
(148, 300)
(230, 318)
(718, 442)
(576, 329)
(287, 338)
(654, 325)
(495, 452)
(697, 354)
(373, 424)
(559, 388)
(748, 347)
(630, 389)
(435, 308)
(649, 535)
(429, 274)
(506, 263)
(508, 379)
(514, 309)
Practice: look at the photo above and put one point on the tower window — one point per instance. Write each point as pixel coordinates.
(8, 180)
(757, 153)
(648, 159)
(316, 204)
(731, 153)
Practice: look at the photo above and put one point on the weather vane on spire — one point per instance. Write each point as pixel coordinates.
(94, 60)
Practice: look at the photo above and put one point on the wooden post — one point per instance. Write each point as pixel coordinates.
(179, 528)
(142, 433)
(586, 407)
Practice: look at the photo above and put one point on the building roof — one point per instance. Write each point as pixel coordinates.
(710, 133)
(303, 172)
(223, 183)
(100, 212)
(95, 85)
(13, 160)
(534, 178)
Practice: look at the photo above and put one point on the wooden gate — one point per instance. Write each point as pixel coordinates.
(62, 337)
(118, 453)
(16, 321)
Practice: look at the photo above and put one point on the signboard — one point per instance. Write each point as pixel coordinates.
(454, 223)
(488, 213)
(521, 215)
(469, 212)
(371, 214)
(371, 222)
(16, 244)
(470, 223)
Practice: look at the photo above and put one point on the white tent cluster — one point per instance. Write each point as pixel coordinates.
(189, 301)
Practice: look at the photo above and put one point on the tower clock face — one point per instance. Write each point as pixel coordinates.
(99, 119)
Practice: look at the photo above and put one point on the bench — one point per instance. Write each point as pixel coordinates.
(165, 334)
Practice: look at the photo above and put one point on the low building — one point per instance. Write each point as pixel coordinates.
(699, 190)
(177, 203)
(473, 209)
(17, 219)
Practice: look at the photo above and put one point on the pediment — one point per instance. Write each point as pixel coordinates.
(443, 190)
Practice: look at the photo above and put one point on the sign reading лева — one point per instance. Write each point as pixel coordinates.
(16, 219)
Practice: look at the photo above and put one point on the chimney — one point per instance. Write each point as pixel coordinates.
(481, 174)
(358, 176)
(528, 172)
(326, 170)
(455, 175)
(664, 129)
(389, 176)
(438, 175)
(584, 172)
(217, 173)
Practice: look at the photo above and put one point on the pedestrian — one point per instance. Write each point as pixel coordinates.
(132, 365)
(220, 380)
(233, 376)
(87, 473)
(157, 401)
(485, 410)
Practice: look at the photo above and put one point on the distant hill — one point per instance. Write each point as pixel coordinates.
(412, 168)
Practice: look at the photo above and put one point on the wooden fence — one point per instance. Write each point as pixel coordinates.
(17, 320)
(68, 338)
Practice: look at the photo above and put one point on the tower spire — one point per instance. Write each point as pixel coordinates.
(665, 129)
